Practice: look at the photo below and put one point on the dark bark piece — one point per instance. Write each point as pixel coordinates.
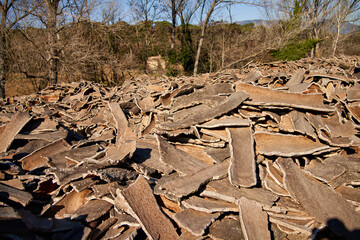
(292, 225)
(182, 162)
(115, 174)
(194, 221)
(326, 171)
(12, 128)
(99, 230)
(226, 229)
(50, 137)
(75, 154)
(354, 109)
(296, 78)
(352, 194)
(301, 125)
(123, 131)
(268, 97)
(148, 155)
(63, 177)
(69, 204)
(188, 112)
(218, 154)
(183, 186)
(344, 179)
(254, 221)
(204, 95)
(120, 152)
(271, 185)
(144, 208)
(34, 222)
(252, 77)
(224, 190)
(39, 157)
(101, 190)
(124, 219)
(92, 210)
(83, 184)
(242, 169)
(226, 122)
(233, 101)
(209, 205)
(14, 194)
(320, 201)
(353, 93)
(128, 234)
(286, 145)
(8, 213)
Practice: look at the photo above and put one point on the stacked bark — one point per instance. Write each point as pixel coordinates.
(266, 152)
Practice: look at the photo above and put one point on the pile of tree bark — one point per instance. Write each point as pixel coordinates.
(270, 151)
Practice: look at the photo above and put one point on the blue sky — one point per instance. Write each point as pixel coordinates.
(242, 12)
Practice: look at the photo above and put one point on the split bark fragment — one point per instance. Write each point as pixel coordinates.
(12, 128)
(194, 221)
(14, 194)
(144, 208)
(286, 145)
(242, 169)
(233, 101)
(183, 186)
(320, 201)
(209, 205)
(177, 159)
(268, 97)
(254, 221)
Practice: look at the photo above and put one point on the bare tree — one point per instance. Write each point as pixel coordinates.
(213, 5)
(145, 10)
(346, 10)
(174, 7)
(11, 11)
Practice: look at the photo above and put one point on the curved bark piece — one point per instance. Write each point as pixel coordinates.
(233, 101)
(143, 206)
(17, 122)
(320, 201)
(254, 221)
(268, 97)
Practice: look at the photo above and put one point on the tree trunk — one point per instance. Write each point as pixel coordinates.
(2, 52)
(203, 28)
(173, 26)
(2, 63)
(53, 61)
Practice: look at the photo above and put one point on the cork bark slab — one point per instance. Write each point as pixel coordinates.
(12, 128)
(233, 101)
(183, 186)
(14, 194)
(144, 208)
(37, 158)
(286, 145)
(209, 205)
(194, 221)
(224, 190)
(320, 201)
(268, 97)
(242, 169)
(177, 159)
(254, 221)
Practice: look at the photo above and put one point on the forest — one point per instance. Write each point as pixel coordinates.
(51, 41)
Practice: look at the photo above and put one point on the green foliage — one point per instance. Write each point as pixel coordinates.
(172, 71)
(173, 57)
(295, 50)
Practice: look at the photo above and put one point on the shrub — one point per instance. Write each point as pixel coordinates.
(295, 50)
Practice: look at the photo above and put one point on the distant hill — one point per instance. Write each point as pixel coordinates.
(256, 22)
(348, 27)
